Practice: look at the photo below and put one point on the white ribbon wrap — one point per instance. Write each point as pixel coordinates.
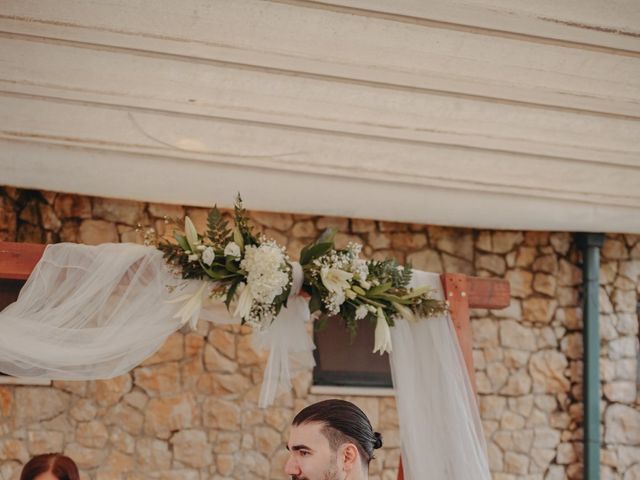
(287, 339)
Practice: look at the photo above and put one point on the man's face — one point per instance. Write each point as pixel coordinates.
(310, 455)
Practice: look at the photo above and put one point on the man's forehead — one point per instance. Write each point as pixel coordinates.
(309, 434)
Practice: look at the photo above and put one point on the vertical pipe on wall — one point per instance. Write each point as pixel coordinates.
(590, 244)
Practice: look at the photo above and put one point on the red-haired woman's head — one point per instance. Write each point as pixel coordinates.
(50, 466)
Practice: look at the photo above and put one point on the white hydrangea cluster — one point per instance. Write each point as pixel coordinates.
(267, 271)
(268, 275)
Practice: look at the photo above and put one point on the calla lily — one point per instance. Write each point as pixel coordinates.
(191, 233)
(245, 301)
(190, 311)
(405, 312)
(335, 280)
(383, 335)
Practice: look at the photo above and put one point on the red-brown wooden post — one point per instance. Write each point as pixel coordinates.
(456, 291)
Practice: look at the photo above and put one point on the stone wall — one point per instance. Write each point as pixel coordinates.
(191, 411)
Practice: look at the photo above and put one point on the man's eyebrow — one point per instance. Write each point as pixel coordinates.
(296, 448)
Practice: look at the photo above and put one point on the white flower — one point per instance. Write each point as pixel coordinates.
(361, 312)
(360, 269)
(382, 342)
(193, 257)
(354, 249)
(335, 280)
(208, 256)
(245, 302)
(337, 298)
(190, 311)
(267, 271)
(232, 250)
(191, 233)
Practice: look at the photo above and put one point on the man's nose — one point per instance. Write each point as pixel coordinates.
(291, 467)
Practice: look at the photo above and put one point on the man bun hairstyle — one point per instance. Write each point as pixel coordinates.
(343, 423)
(378, 443)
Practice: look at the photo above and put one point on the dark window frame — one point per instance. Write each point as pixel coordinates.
(342, 361)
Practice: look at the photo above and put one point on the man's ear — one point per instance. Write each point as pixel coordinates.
(348, 456)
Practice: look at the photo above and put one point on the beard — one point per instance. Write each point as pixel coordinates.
(331, 473)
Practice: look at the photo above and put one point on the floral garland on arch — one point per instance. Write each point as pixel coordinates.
(250, 270)
(341, 283)
(254, 273)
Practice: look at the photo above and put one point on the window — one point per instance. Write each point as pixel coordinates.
(9, 290)
(347, 362)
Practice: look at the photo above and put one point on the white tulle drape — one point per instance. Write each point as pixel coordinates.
(92, 312)
(87, 312)
(440, 427)
(95, 312)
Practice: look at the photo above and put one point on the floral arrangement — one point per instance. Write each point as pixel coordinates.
(254, 273)
(251, 270)
(340, 283)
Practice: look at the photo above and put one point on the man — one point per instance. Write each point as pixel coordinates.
(331, 440)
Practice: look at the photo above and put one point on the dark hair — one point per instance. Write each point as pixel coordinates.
(343, 422)
(60, 466)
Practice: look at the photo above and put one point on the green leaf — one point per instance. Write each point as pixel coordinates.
(232, 291)
(394, 298)
(315, 303)
(243, 225)
(415, 293)
(373, 291)
(373, 302)
(238, 238)
(317, 250)
(230, 264)
(321, 323)
(303, 252)
(327, 236)
(210, 272)
(217, 228)
(182, 241)
(281, 300)
(358, 290)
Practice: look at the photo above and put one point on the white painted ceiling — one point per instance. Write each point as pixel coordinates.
(482, 113)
